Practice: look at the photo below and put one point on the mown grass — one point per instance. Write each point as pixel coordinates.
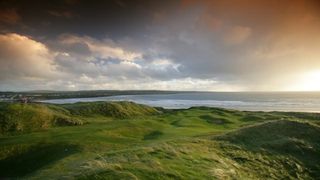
(123, 140)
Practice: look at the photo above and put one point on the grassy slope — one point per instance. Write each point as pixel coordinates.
(299, 141)
(16, 117)
(110, 109)
(125, 140)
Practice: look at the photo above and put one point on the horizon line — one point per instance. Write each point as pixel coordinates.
(83, 90)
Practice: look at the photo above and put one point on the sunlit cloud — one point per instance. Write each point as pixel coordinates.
(102, 49)
(201, 45)
(24, 58)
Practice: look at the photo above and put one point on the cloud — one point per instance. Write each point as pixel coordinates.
(104, 82)
(107, 58)
(237, 35)
(244, 43)
(239, 44)
(163, 69)
(9, 16)
(26, 64)
(29, 64)
(101, 49)
(24, 58)
(63, 13)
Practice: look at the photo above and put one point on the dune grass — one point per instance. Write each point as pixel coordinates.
(123, 140)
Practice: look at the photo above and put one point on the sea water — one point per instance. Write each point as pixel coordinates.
(251, 101)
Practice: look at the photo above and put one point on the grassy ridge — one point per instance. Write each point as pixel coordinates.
(110, 109)
(123, 140)
(294, 139)
(17, 117)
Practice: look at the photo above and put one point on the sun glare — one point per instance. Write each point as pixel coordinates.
(309, 81)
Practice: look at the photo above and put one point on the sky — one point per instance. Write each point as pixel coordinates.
(198, 45)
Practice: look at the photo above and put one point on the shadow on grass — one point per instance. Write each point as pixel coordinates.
(35, 157)
(176, 123)
(153, 135)
(213, 120)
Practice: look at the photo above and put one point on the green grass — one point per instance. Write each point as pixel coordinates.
(295, 139)
(25, 160)
(16, 117)
(123, 140)
(111, 109)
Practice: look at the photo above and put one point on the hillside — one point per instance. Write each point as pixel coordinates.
(294, 142)
(110, 109)
(123, 140)
(17, 117)
(271, 150)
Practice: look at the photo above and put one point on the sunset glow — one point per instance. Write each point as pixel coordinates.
(203, 45)
(309, 81)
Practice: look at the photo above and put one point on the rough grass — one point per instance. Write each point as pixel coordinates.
(25, 160)
(294, 139)
(214, 120)
(111, 109)
(16, 117)
(129, 141)
(153, 135)
(193, 159)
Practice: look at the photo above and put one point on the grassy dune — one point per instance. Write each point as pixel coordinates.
(110, 109)
(17, 117)
(123, 140)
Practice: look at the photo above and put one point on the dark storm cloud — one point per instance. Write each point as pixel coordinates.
(114, 18)
(9, 16)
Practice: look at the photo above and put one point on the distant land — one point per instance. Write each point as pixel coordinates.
(50, 94)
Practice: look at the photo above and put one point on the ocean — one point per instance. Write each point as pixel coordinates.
(249, 101)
